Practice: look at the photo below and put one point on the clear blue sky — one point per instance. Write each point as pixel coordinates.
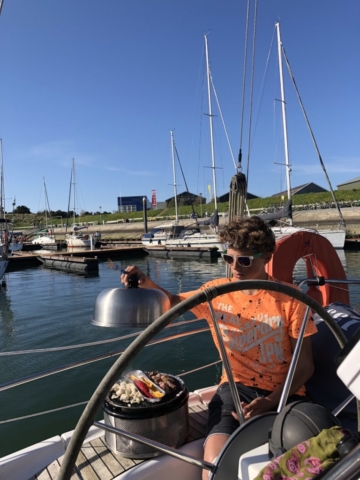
(104, 82)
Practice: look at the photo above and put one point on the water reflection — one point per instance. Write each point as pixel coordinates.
(7, 320)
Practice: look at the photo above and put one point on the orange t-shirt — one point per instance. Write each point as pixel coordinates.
(257, 331)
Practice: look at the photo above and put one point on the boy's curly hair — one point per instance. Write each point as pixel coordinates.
(248, 233)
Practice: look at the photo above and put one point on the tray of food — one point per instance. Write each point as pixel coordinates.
(151, 392)
(139, 389)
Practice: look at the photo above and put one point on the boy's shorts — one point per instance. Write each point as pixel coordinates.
(220, 418)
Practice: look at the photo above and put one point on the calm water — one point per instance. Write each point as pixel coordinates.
(45, 308)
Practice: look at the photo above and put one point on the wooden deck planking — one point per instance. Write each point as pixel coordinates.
(96, 462)
(107, 457)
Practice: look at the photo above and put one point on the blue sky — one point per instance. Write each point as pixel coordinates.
(105, 82)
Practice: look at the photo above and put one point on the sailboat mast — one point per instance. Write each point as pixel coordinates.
(174, 174)
(211, 120)
(73, 178)
(45, 199)
(47, 205)
(283, 110)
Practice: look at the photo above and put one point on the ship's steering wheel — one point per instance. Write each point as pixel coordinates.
(96, 401)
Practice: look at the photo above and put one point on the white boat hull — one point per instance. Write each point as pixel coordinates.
(335, 237)
(157, 240)
(196, 240)
(44, 240)
(78, 242)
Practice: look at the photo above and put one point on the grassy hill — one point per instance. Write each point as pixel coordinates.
(346, 198)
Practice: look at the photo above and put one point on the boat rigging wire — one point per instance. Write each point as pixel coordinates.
(251, 92)
(244, 85)
(186, 186)
(222, 120)
(312, 135)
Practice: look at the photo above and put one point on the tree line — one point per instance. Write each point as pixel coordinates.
(23, 210)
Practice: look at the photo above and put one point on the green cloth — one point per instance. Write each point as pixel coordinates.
(307, 460)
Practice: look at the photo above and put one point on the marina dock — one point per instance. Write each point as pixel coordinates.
(22, 260)
(182, 252)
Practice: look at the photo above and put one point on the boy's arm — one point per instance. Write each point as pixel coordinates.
(146, 282)
(303, 371)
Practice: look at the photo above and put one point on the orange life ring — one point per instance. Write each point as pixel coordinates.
(321, 260)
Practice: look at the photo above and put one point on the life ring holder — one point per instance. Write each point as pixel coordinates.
(321, 260)
(95, 402)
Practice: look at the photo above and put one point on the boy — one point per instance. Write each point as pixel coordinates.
(259, 330)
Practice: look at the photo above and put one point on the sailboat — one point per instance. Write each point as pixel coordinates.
(160, 234)
(76, 239)
(194, 236)
(336, 236)
(174, 235)
(46, 237)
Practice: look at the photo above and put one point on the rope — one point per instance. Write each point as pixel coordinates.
(237, 202)
(313, 138)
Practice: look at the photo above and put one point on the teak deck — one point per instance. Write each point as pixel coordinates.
(96, 462)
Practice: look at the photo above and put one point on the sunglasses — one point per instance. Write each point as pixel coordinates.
(241, 260)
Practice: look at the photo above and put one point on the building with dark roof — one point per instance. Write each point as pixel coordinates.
(185, 198)
(225, 198)
(353, 184)
(132, 204)
(306, 188)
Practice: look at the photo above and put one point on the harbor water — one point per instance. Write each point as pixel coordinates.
(48, 309)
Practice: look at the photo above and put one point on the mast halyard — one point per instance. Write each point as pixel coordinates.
(283, 111)
(208, 75)
(174, 175)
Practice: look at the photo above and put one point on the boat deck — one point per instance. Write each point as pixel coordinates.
(96, 462)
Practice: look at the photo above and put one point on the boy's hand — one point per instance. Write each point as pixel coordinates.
(258, 406)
